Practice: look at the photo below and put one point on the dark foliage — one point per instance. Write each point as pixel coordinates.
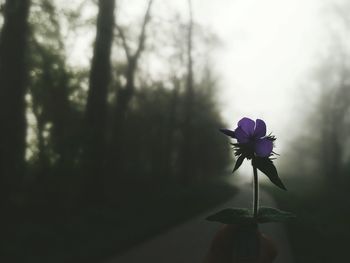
(91, 159)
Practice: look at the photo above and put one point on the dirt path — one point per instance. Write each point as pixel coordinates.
(189, 242)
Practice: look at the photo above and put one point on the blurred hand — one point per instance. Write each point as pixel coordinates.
(222, 247)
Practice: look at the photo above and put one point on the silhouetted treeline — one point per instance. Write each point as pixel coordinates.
(101, 133)
(319, 167)
(318, 158)
(321, 147)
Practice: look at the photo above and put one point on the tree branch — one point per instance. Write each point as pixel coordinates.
(124, 42)
(142, 37)
(189, 48)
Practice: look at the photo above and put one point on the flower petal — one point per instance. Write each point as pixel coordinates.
(260, 128)
(247, 125)
(263, 147)
(228, 132)
(241, 136)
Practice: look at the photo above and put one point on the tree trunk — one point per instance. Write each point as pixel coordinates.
(126, 93)
(96, 107)
(187, 148)
(124, 97)
(13, 43)
(169, 143)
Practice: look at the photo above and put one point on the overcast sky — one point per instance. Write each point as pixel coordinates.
(267, 53)
(268, 48)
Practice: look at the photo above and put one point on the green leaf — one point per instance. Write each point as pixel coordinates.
(232, 216)
(266, 166)
(238, 163)
(269, 214)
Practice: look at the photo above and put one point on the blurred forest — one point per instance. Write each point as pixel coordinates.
(88, 152)
(101, 151)
(317, 168)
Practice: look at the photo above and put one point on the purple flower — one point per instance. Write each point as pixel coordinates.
(251, 138)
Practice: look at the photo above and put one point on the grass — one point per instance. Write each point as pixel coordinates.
(45, 234)
(321, 232)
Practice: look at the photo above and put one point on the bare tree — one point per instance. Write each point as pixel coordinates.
(49, 87)
(187, 147)
(334, 107)
(126, 92)
(96, 107)
(13, 76)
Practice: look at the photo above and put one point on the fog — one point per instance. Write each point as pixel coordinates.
(280, 43)
(111, 110)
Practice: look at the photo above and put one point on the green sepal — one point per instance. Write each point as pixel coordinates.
(232, 216)
(269, 214)
(238, 163)
(266, 166)
(244, 216)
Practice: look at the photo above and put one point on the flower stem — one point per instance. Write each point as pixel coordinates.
(256, 193)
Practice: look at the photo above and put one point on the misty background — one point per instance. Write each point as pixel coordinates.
(110, 111)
